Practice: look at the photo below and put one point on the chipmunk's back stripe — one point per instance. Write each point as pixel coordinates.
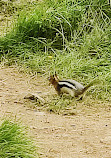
(67, 84)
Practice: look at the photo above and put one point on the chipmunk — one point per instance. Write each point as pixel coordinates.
(69, 86)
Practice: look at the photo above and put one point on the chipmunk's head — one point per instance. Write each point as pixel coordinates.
(53, 79)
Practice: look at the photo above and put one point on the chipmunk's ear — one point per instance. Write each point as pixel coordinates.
(55, 74)
(56, 77)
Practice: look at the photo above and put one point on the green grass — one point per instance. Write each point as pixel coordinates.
(14, 142)
(70, 37)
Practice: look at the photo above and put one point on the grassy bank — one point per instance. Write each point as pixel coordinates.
(70, 37)
(14, 142)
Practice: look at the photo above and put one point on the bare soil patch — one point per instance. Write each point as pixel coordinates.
(87, 134)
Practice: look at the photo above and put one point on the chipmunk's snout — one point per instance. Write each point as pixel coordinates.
(50, 80)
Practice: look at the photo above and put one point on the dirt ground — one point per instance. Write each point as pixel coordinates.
(84, 135)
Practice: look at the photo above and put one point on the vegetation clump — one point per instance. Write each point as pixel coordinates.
(14, 142)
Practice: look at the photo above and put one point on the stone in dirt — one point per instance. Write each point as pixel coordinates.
(33, 96)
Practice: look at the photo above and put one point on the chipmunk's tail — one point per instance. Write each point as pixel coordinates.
(91, 84)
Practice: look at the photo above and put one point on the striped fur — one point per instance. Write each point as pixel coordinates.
(69, 86)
